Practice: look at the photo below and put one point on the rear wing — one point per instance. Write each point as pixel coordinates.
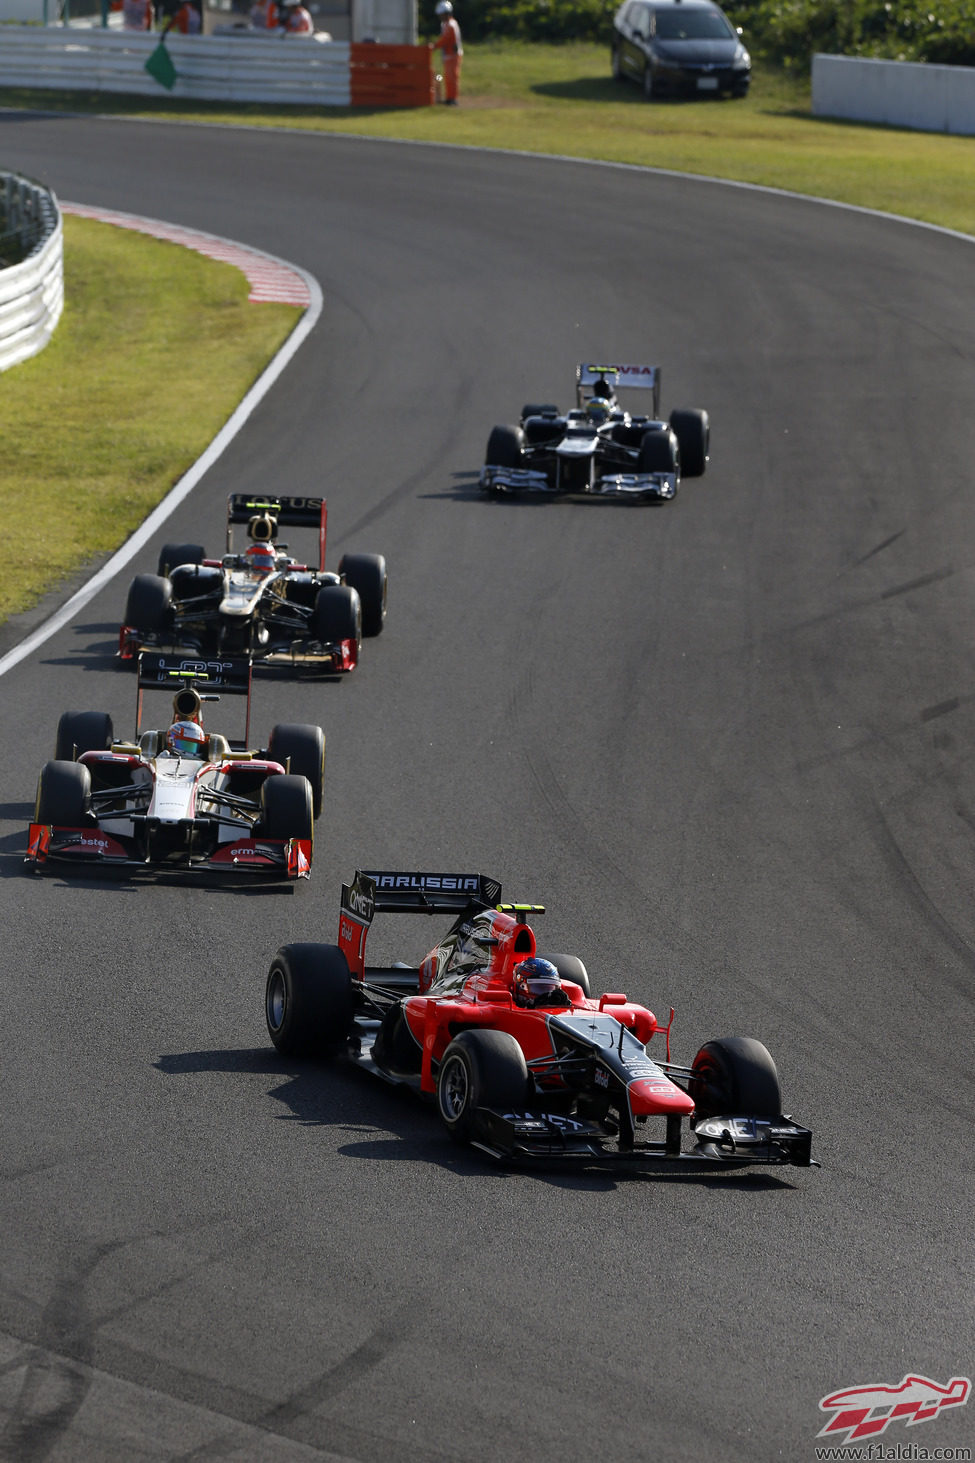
(642, 378)
(392, 892)
(206, 680)
(289, 512)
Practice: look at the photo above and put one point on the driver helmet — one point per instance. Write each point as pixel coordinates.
(444, 7)
(598, 409)
(260, 558)
(187, 739)
(535, 983)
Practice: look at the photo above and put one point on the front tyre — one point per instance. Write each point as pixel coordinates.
(480, 1069)
(308, 1002)
(63, 795)
(505, 448)
(337, 616)
(149, 603)
(692, 429)
(300, 748)
(735, 1076)
(286, 808)
(648, 86)
(659, 452)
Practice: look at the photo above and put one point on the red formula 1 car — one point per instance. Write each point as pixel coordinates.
(522, 1060)
(180, 800)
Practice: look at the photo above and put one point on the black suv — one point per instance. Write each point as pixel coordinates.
(679, 47)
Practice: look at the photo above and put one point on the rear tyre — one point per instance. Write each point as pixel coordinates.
(693, 432)
(659, 452)
(570, 967)
(615, 64)
(337, 615)
(63, 795)
(172, 555)
(367, 575)
(479, 1069)
(308, 1002)
(539, 409)
(505, 448)
(147, 608)
(302, 748)
(83, 731)
(735, 1076)
(286, 808)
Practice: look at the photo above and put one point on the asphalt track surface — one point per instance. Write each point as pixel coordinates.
(726, 741)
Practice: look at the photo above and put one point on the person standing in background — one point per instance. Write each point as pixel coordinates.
(449, 43)
(137, 15)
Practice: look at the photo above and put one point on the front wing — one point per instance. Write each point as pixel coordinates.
(647, 487)
(733, 1142)
(266, 857)
(325, 659)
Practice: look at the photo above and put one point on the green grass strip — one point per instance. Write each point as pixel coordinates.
(156, 347)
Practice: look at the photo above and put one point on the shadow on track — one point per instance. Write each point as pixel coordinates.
(399, 1127)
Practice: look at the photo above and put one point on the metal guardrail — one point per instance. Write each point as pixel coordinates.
(31, 268)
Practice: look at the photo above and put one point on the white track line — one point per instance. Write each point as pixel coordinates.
(270, 279)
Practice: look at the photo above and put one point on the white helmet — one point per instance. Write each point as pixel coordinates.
(444, 7)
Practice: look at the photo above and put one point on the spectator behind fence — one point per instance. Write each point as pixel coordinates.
(295, 20)
(188, 19)
(137, 15)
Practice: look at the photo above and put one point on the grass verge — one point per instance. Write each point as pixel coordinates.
(155, 348)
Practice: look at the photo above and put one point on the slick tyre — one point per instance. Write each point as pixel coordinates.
(286, 808)
(147, 608)
(479, 1069)
(570, 967)
(505, 448)
(63, 795)
(735, 1076)
(83, 731)
(337, 615)
(539, 409)
(366, 573)
(693, 432)
(308, 1002)
(659, 452)
(171, 556)
(301, 749)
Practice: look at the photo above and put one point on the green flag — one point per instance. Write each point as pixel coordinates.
(160, 67)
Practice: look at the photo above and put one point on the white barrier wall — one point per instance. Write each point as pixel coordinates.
(897, 93)
(242, 68)
(32, 293)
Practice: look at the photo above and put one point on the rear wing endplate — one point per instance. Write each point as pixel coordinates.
(289, 512)
(642, 378)
(393, 892)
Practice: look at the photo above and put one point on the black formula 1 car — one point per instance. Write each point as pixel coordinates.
(260, 603)
(598, 448)
(523, 1062)
(180, 800)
